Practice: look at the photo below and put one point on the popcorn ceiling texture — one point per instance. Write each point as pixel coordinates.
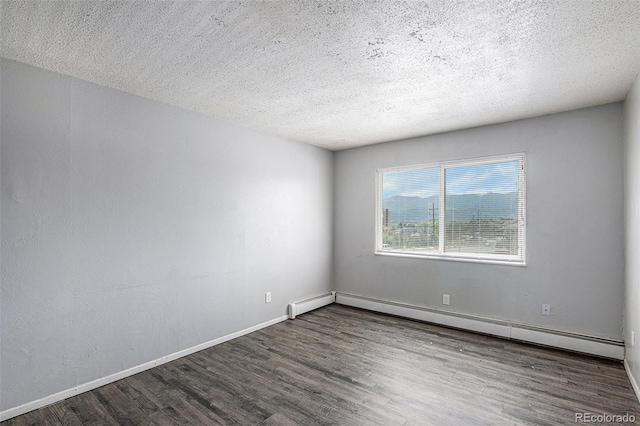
(341, 74)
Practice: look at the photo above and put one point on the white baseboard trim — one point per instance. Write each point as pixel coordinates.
(299, 308)
(608, 348)
(34, 405)
(593, 345)
(634, 383)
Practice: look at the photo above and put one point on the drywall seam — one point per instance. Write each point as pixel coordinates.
(593, 345)
(76, 390)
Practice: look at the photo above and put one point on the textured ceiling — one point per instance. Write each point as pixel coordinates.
(341, 74)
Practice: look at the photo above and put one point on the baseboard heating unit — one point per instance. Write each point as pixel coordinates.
(299, 308)
(608, 348)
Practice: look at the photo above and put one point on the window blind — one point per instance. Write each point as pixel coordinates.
(473, 209)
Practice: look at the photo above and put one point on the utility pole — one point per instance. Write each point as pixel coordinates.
(433, 209)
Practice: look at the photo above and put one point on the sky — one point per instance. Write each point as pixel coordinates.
(473, 179)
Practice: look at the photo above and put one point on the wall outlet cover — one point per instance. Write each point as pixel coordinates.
(546, 309)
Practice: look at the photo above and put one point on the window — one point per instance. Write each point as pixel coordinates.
(471, 210)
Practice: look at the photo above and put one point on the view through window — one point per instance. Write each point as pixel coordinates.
(461, 210)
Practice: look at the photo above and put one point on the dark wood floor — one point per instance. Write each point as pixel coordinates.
(339, 365)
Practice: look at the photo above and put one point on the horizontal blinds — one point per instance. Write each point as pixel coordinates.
(411, 210)
(483, 204)
(474, 208)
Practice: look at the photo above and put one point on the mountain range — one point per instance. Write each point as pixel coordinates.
(465, 207)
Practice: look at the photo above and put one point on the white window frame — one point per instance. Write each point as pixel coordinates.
(517, 260)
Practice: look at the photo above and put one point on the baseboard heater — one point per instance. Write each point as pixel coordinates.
(594, 345)
(299, 308)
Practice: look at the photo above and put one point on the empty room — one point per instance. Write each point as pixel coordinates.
(320, 212)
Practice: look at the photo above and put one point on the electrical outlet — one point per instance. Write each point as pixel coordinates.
(267, 297)
(633, 339)
(446, 299)
(546, 310)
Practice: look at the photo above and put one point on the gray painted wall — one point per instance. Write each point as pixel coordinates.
(132, 230)
(632, 222)
(574, 225)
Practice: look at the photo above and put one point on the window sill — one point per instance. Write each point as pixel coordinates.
(456, 258)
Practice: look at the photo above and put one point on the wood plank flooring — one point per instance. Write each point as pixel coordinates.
(345, 366)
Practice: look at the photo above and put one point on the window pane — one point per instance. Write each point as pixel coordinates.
(482, 208)
(410, 210)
